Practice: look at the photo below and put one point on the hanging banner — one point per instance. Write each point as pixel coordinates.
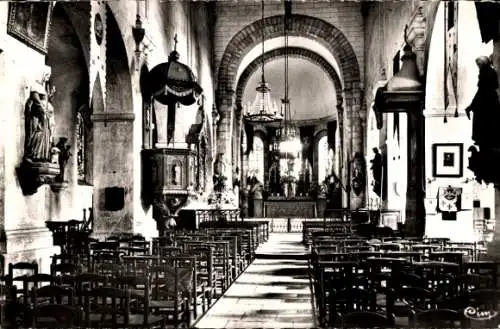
(450, 199)
(450, 55)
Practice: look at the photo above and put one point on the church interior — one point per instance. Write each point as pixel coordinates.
(249, 164)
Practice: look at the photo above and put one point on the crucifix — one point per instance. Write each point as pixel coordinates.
(175, 42)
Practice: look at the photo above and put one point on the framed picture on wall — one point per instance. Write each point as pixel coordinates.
(447, 160)
(29, 22)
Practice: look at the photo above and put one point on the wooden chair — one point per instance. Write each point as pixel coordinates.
(56, 316)
(171, 294)
(108, 307)
(400, 302)
(52, 295)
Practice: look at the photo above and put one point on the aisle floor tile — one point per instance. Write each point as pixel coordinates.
(271, 293)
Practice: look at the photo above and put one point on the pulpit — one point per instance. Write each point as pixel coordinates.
(169, 177)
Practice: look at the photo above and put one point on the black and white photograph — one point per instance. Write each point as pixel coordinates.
(249, 164)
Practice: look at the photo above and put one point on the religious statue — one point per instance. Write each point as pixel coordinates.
(39, 121)
(358, 174)
(219, 178)
(486, 106)
(334, 191)
(377, 171)
(63, 156)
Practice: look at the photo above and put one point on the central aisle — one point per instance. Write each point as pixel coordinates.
(273, 292)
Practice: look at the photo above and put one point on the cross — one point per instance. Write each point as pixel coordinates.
(175, 41)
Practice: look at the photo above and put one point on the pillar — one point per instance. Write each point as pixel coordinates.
(415, 193)
(224, 132)
(354, 134)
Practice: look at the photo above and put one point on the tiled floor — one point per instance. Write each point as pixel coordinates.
(273, 292)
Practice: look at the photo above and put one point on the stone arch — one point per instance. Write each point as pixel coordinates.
(292, 52)
(78, 14)
(67, 56)
(118, 78)
(300, 25)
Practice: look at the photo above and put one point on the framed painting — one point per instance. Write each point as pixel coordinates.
(447, 160)
(29, 22)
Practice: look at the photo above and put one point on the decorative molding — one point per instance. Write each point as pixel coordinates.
(112, 117)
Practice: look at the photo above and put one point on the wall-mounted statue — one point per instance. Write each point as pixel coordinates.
(40, 163)
(358, 175)
(39, 121)
(486, 106)
(377, 171)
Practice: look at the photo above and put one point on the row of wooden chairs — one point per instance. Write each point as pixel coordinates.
(358, 279)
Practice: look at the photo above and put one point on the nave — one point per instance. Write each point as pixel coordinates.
(240, 275)
(273, 292)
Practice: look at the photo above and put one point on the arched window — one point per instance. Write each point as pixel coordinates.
(256, 159)
(323, 158)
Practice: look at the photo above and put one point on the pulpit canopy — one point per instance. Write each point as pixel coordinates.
(173, 82)
(403, 92)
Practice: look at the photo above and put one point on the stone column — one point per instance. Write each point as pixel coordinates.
(415, 194)
(243, 184)
(352, 120)
(224, 132)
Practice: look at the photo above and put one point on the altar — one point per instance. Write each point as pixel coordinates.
(303, 207)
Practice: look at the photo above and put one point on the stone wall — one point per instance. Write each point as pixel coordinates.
(234, 16)
(116, 120)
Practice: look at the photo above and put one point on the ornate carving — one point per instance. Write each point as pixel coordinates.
(358, 174)
(39, 164)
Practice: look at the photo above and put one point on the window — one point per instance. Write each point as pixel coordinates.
(256, 160)
(323, 158)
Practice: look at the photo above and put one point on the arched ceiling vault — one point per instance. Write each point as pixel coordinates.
(296, 53)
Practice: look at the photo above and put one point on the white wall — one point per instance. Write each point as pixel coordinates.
(457, 129)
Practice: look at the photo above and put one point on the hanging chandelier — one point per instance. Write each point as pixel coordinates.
(288, 131)
(263, 109)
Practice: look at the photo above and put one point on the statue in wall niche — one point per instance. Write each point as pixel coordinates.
(39, 121)
(486, 106)
(358, 174)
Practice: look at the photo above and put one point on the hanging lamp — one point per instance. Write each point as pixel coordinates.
(288, 131)
(263, 109)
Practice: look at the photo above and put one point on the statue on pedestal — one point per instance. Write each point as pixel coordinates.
(41, 157)
(486, 106)
(39, 121)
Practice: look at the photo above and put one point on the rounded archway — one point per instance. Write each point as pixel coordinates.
(295, 52)
(300, 25)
